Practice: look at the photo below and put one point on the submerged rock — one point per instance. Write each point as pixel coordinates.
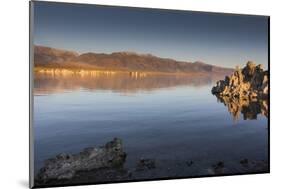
(145, 164)
(251, 82)
(66, 166)
(189, 163)
(244, 162)
(218, 168)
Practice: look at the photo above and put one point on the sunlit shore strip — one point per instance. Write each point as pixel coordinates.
(96, 72)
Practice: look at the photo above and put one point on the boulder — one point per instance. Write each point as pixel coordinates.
(145, 164)
(65, 166)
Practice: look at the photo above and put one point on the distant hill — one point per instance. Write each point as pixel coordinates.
(123, 61)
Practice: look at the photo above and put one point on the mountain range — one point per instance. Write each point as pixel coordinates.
(47, 57)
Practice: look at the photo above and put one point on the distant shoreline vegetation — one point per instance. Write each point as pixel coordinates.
(57, 61)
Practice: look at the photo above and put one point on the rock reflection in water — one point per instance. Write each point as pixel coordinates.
(249, 108)
(119, 82)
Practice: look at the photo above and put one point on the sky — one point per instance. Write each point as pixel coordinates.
(219, 39)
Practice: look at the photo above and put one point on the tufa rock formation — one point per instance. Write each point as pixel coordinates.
(251, 82)
(244, 92)
(66, 166)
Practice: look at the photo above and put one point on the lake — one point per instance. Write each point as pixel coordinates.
(174, 120)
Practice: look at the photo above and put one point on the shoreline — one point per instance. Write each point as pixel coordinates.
(94, 72)
(110, 164)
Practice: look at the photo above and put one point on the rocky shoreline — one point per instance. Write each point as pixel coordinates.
(106, 164)
(251, 82)
(67, 166)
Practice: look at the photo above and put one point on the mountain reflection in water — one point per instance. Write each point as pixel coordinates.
(127, 83)
(250, 109)
(123, 83)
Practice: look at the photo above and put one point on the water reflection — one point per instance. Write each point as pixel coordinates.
(71, 122)
(45, 83)
(249, 108)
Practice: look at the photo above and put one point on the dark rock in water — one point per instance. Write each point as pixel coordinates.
(248, 83)
(244, 161)
(189, 163)
(66, 166)
(218, 168)
(220, 164)
(259, 166)
(145, 164)
(255, 166)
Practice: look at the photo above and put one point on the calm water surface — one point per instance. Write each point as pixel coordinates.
(170, 119)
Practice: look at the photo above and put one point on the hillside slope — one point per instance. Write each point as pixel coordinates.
(125, 61)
